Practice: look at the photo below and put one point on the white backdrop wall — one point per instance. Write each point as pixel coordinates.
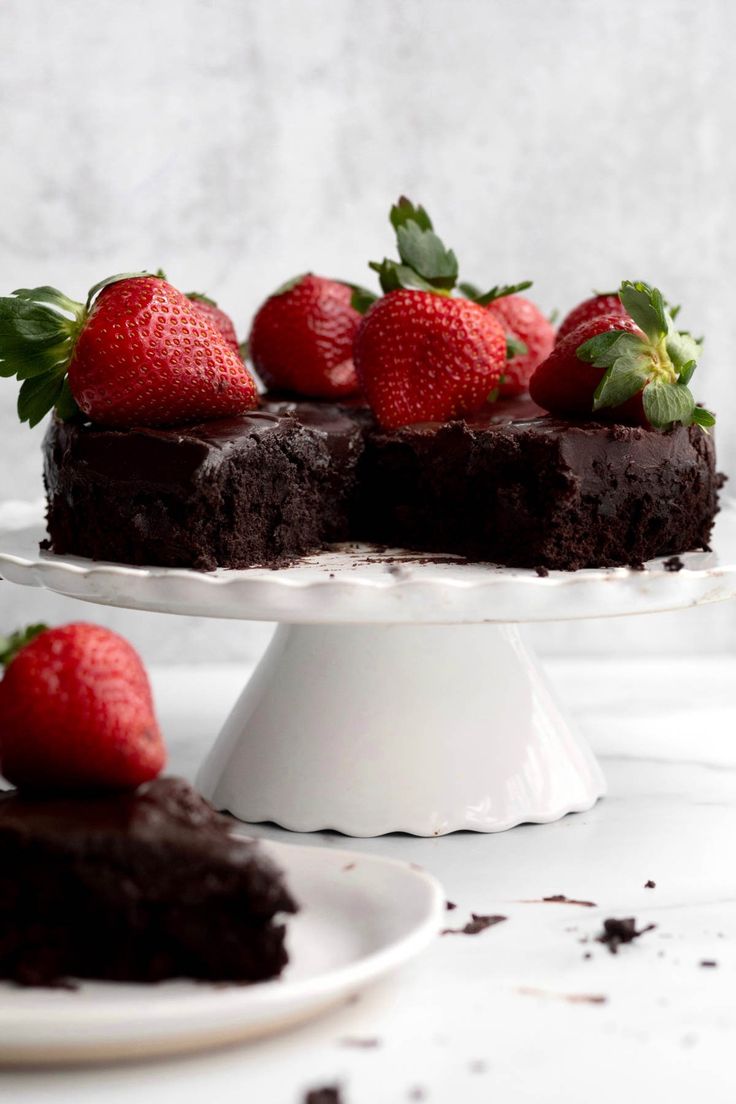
(238, 142)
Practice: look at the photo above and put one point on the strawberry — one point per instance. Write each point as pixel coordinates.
(302, 337)
(216, 316)
(421, 354)
(138, 352)
(606, 303)
(530, 337)
(76, 711)
(425, 358)
(634, 366)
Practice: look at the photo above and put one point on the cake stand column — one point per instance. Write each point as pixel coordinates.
(427, 729)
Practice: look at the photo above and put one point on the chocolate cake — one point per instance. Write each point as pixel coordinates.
(510, 485)
(136, 886)
(261, 488)
(514, 485)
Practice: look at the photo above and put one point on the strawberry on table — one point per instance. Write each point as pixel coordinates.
(76, 711)
(301, 339)
(138, 352)
(422, 354)
(607, 302)
(633, 366)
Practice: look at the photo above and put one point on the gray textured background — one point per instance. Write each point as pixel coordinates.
(237, 143)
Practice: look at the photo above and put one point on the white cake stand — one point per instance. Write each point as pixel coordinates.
(397, 694)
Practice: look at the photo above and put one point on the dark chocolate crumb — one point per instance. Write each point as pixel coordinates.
(638, 566)
(450, 905)
(561, 899)
(650, 884)
(542, 572)
(361, 1044)
(615, 932)
(587, 955)
(708, 962)
(476, 924)
(328, 1095)
(674, 563)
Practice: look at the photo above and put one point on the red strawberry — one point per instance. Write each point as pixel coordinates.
(523, 323)
(137, 353)
(424, 358)
(422, 355)
(608, 303)
(633, 367)
(76, 711)
(216, 316)
(302, 337)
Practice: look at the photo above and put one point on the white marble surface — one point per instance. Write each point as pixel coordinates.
(488, 1017)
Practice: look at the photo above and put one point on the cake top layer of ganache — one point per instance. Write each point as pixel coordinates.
(159, 841)
(173, 455)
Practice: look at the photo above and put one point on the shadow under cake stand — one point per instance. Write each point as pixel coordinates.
(397, 693)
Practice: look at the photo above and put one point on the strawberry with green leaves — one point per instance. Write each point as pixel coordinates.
(301, 339)
(76, 711)
(136, 353)
(421, 353)
(216, 316)
(530, 338)
(634, 366)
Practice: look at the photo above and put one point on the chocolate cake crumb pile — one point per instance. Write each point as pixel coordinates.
(674, 563)
(650, 884)
(476, 924)
(615, 932)
(450, 905)
(542, 572)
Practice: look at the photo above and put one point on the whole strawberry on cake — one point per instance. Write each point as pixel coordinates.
(433, 416)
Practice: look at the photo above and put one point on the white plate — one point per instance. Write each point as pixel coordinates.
(360, 585)
(361, 917)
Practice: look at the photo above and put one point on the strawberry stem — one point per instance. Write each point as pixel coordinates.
(11, 645)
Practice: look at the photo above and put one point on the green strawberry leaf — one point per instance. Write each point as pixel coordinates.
(66, 405)
(703, 418)
(604, 349)
(425, 253)
(470, 291)
(500, 292)
(38, 396)
(515, 347)
(686, 372)
(393, 276)
(682, 348)
(646, 306)
(622, 380)
(404, 211)
(11, 645)
(667, 403)
(361, 299)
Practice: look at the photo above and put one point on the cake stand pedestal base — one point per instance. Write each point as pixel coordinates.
(425, 729)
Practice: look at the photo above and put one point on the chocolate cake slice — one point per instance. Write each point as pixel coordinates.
(262, 488)
(516, 486)
(136, 886)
